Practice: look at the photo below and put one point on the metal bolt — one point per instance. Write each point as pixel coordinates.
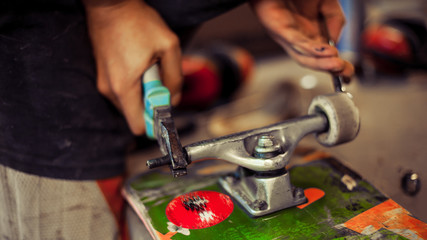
(267, 147)
(158, 162)
(411, 183)
(299, 193)
(259, 205)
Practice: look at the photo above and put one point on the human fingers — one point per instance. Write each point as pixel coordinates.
(126, 97)
(170, 68)
(126, 90)
(332, 64)
(104, 87)
(130, 102)
(301, 44)
(347, 72)
(335, 65)
(288, 26)
(334, 18)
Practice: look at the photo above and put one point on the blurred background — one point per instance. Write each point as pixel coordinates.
(237, 78)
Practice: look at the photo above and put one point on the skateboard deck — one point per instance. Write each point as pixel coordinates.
(340, 205)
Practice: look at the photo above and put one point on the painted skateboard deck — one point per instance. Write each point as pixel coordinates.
(340, 205)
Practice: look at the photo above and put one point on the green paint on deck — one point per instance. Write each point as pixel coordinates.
(319, 220)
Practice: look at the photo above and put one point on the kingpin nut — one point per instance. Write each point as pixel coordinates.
(266, 147)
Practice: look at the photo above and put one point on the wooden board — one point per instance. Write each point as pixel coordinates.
(341, 205)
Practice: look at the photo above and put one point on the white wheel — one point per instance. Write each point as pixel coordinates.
(343, 118)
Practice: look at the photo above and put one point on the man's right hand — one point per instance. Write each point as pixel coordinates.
(128, 36)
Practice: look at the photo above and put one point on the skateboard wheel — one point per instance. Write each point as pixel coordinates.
(343, 118)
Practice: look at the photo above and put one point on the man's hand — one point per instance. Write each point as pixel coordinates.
(295, 25)
(128, 36)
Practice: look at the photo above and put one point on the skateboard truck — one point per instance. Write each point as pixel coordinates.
(261, 183)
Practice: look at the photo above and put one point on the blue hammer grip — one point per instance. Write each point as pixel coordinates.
(155, 95)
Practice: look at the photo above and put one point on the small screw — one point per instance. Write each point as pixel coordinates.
(259, 205)
(411, 183)
(299, 193)
(266, 147)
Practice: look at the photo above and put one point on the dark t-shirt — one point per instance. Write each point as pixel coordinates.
(53, 121)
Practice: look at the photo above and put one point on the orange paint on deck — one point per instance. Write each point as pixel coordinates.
(167, 236)
(312, 195)
(388, 215)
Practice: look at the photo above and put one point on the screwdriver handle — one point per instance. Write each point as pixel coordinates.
(155, 95)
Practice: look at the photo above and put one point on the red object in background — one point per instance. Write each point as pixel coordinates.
(389, 41)
(202, 83)
(111, 188)
(214, 74)
(200, 209)
(390, 46)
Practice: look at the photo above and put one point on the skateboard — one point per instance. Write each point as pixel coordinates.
(340, 205)
(264, 198)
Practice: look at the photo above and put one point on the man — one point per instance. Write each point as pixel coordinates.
(70, 97)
